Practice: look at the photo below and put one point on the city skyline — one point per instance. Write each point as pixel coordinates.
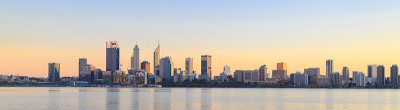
(262, 34)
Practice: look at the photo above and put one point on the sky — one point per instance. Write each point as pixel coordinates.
(244, 34)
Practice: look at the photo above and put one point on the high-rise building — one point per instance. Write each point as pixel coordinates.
(380, 81)
(145, 65)
(206, 67)
(54, 72)
(314, 74)
(358, 78)
(281, 66)
(156, 59)
(346, 75)
(300, 79)
(329, 67)
(112, 56)
(227, 70)
(82, 68)
(373, 72)
(281, 71)
(238, 75)
(189, 65)
(334, 79)
(135, 58)
(394, 76)
(166, 68)
(263, 73)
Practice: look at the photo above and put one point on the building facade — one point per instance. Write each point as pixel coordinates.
(54, 72)
(189, 65)
(112, 56)
(166, 69)
(206, 71)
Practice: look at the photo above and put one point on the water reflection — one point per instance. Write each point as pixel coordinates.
(82, 102)
(162, 99)
(53, 99)
(112, 100)
(205, 99)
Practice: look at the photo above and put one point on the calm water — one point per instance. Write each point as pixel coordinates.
(196, 99)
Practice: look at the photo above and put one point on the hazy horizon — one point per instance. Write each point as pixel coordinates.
(242, 34)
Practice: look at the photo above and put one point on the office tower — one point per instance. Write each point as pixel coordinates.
(156, 60)
(238, 75)
(373, 73)
(346, 75)
(394, 76)
(227, 70)
(314, 74)
(281, 72)
(206, 67)
(189, 65)
(82, 68)
(358, 78)
(135, 58)
(145, 65)
(300, 79)
(112, 56)
(329, 67)
(334, 79)
(263, 73)
(281, 66)
(380, 81)
(54, 72)
(166, 68)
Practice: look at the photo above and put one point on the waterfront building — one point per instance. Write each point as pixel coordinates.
(281, 71)
(346, 75)
(263, 75)
(189, 65)
(135, 58)
(394, 76)
(82, 68)
(300, 79)
(334, 79)
(380, 81)
(156, 59)
(329, 67)
(166, 69)
(206, 71)
(112, 56)
(238, 75)
(359, 78)
(314, 74)
(145, 66)
(373, 73)
(54, 72)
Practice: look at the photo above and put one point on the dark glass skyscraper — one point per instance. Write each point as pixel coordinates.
(380, 81)
(112, 56)
(394, 76)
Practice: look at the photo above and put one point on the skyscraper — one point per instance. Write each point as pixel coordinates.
(263, 73)
(372, 72)
(54, 72)
(156, 60)
(82, 68)
(145, 65)
(329, 67)
(346, 75)
(135, 61)
(112, 56)
(314, 74)
(166, 68)
(189, 65)
(394, 76)
(206, 67)
(281, 66)
(380, 81)
(359, 78)
(227, 70)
